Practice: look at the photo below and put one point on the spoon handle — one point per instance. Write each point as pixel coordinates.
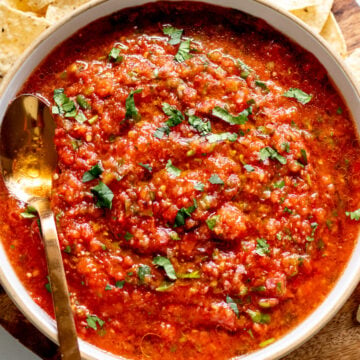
(60, 294)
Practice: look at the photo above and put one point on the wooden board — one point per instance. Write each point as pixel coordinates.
(340, 339)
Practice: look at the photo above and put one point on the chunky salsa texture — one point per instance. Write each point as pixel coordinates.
(207, 183)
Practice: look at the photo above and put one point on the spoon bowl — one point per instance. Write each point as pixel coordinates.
(28, 159)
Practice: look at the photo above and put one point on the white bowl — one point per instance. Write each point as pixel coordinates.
(281, 21)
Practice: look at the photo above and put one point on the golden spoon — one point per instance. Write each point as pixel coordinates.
(27, 160)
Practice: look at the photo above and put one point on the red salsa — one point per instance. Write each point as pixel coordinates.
(207, 185)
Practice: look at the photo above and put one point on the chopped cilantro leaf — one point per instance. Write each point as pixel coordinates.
(221, 137)
(108, 287)
(248, 168)
(166, 264)
(299, 95)
(202, 127)
(131, 110)
(269, 152)
(128, 236)
(175, 116)
(142, 272)
(30, 212)
(232, 304)
(245, 69)
(114, 55)
(215, 179)
(304, 156)
(184, 213)
(262, 247)
(67, 249)
(172, 170)
(174, 33)
(287, 210)
(354, 215)
(161, 131)
(261, 84)
(279, 184)
(80, 117)
(223, 114)
(339, 111)
(93, 173)
(120, 284)
(63, 104)
(103, 195)
(199, 186)
(146, 166)
(258, 317)
(183, 51)
(93, 320)
(80, 99)
(211, 222)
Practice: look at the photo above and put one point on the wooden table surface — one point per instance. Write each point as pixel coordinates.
(339, 340)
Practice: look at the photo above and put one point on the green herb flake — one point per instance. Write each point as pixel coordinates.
(184, 213)
(221, 137)
(279, 185)
(199, 186)
(29, 213)
(120, 284)
(287, 210)
(258, 317)
(175, 116)
(299, 95)
(93, 321)
(304, 156)
(64, 106)
(174, 33)
(268, 152)
(165, 286)
(161, 131)
(174, 236)
(245, 69)
(114, 55)
(172, 170)
(47, 285)
(142, 272)
(233, 306)
(262, 247)
(93, 173)
(266, 342)
(80, 117)
(262, 85)
(198, 124)
(211, 222)
(354, 215)
(103, 195)
(183, 53)
(248, 168)
(192, 275)
(67, 249)
(285, 146)
(146, 166)
(108, 287)
(128, 236)
(131, 110)
(216, 180)
(339, 110)
(80, 99)
(166, 264)
(223, 114)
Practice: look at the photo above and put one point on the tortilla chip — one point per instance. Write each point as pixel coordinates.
(29, 5)
(60, 8)
(331, 32)
(315, 16)
(293, 4)
(353, 62)
(19, 29)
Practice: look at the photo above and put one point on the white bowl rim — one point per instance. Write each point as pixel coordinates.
(344, 285)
